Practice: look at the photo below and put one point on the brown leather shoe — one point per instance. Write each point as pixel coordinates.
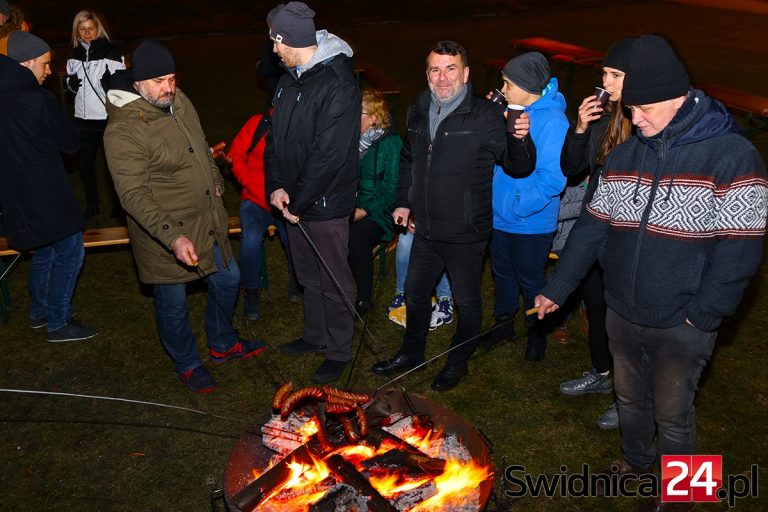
(618, 467)
(655, 505)
(561, 335)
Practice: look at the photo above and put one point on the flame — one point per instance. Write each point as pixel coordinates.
(453, 484)
(309, 429)
(391, 485)
(309, 481)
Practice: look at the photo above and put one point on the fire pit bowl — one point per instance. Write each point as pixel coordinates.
(249, 454)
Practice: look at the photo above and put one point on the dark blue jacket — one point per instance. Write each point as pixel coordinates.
(36, 200)
(677, 222)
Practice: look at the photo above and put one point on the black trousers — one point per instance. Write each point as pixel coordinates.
(363, 237)
(328, 319)
(594, 298)
(91, 139)
(464, 263)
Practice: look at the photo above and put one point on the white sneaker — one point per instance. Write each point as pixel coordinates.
(442, 313)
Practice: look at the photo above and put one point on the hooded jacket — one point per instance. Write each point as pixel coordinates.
(37, 203)
(677, 221)
(166, 181)
(312, 146)
(446, 182)
(90, 65)
(528, 205)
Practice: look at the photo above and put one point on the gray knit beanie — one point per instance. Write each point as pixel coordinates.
(23, 46)
(292, 25)
(529, 71)
(655, 74)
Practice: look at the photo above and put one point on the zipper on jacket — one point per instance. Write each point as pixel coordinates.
(644, 223)
(429, 167)
(290, 117)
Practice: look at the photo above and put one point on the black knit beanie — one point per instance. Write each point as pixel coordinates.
(617, 56)
(292, 25)
(5, 8)
(23, 46)
(151, 60)
(529, 71)
(655, 73)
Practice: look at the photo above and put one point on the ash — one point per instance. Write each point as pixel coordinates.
(283, 436)
(442, 447)
(341, 498)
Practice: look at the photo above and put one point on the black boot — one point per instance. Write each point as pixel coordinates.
(503, 330)
(252, 308)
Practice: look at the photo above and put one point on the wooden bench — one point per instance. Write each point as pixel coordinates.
(101, 237)
(754, 107)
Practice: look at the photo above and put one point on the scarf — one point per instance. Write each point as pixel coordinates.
(368, 138)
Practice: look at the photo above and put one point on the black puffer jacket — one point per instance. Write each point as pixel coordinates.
(446, 182)
(312, 147)
(36, 200)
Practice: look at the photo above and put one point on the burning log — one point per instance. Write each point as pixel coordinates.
(347, 473)
(270, 482)
(341, 497)
(415, 463)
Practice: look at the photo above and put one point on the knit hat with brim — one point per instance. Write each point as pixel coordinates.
(292, 25)
(655, 73)
(23, 46)
(529, 71)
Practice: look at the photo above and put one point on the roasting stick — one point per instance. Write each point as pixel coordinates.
(441, 354)
(117, 399)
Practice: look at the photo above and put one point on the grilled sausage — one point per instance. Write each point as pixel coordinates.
(362, 421)
(292, 399)
(281, 394)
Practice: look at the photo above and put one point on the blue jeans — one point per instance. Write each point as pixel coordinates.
(402, 255)
(656, 374)
(172, 315)
(254, 221)
(53, 274)
(519, 263)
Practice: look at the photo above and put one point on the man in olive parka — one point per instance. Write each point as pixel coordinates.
(171, 189)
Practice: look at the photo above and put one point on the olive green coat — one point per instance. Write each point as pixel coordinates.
(166, 180)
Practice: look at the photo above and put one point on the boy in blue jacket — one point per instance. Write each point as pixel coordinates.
(525, 208)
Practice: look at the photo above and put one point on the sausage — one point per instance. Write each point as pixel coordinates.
(296, 396)
(338, 393)
(322, 439)
(362, 421)
(339, 408)
(349, 429)
(281, 394)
